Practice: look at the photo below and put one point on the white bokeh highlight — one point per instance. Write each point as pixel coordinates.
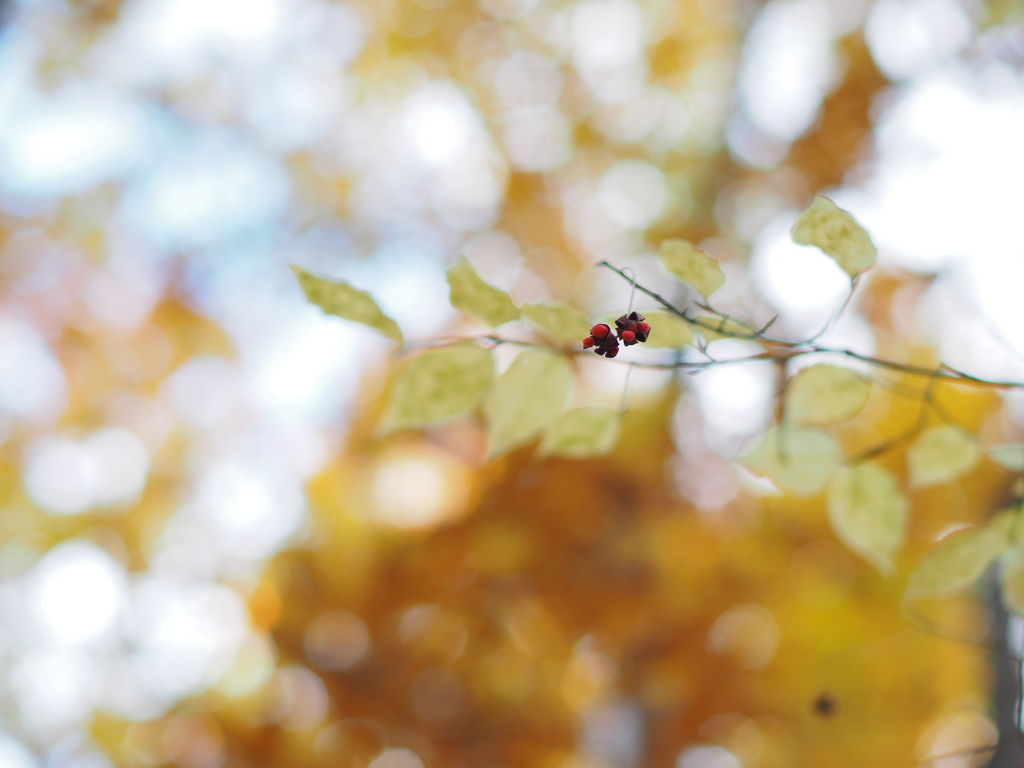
(788, 66)
(907, 37)
(32, 382)
(78, 593)
(65, 476)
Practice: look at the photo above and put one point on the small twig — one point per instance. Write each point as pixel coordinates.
(632, 292)
(657, 297)
(625, 389)
(838, 313)
(767, 325)
(786, 349)
(773, 348)
(923, 624)
(927, 401)
(1002, 340)
(708, 308)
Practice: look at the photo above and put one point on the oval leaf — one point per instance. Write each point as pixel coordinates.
(957, 561)
(480, 300)
(668, 331)
(837, 233)
(797, 459)
(868, 513)
(825, 394)
(526, 399)
(437, 385)
(342, 300)
(1009, 457)
(940, 454)
(582, 432)
(692, 266)
(566, 325)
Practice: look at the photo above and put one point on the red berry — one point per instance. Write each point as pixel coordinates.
(627, 336)
(588, 342)
(600, 330)
(643, 327)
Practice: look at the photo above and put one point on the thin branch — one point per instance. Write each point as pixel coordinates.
(657, 297)
(838, 313)
(769, 324)
(927, 401)
(774, 348)
(926, 626)
(784, 349)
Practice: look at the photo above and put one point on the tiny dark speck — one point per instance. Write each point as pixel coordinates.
(825, 705)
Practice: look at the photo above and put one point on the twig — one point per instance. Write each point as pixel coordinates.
(785, 349)
(927, 401)
(838, 313)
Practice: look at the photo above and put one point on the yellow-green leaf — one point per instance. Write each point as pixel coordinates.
(837, 233)
(481, 301)
(692, 266)
(825, 394)
(342, 300)
(1011, 579)
(800, 460)
(437, 385)
(868, 513)
(582, 432)
(1009, 456)
(1007, 523)
(668, 331)
(956, 561)
(566, 325)
(526, 399)
(940, 454)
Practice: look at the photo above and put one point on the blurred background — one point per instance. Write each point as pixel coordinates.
(206, 559)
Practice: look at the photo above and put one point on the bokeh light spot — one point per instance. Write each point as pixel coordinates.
(747, 635)
(299, 699)
(14, 754)
(80, 592)
(439, 121)
(66, 477)
(32, 383)
(606, 34)
(397, 758)
(337, 640)
(707, 757)
(418, 487)
(632, 193)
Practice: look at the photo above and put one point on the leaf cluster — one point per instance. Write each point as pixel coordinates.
(868, 506)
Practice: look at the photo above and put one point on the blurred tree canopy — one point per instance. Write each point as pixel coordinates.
(227, 540)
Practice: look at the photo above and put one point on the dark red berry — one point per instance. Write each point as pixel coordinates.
(608, 345)
(629, 322)
(632, 328)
